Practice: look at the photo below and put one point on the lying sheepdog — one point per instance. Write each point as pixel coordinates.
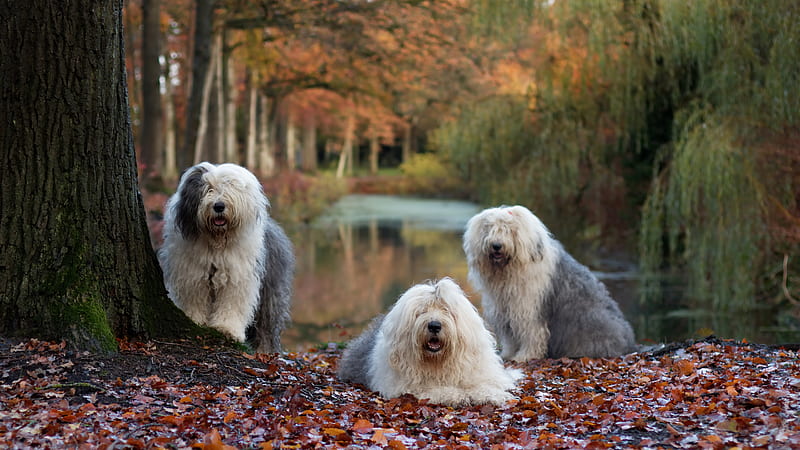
(536, 298)
(226, 263)
(431, 344)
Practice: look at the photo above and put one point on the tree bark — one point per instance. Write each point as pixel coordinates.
(252, 115)
(308, 160)
(266, 136)
(201, 59)
(76, 260)
(291, 142)
(231, 147)
(203, 118)
(170, 172)
(217, 132)
(346, 157)
(151, 143)
(407, 149)
(132, 62)
(374, 152)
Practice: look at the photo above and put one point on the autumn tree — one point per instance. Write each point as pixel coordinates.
(76, 261)
(375, 57)
(685, 110)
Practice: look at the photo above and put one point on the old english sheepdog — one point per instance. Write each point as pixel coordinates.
(227, 264)
(432, 344)
(536, 298)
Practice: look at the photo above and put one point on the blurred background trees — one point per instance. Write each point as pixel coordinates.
(669, 125)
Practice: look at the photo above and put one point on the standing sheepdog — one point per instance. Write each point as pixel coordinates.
(537, 299)
(434, 345)
(226, 263)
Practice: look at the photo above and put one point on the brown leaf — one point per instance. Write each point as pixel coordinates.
(213, 441)
(333, 431)
(379, 437)
(171, 420)
(685, 367)
(727, 425)
(229, 417)
(362, 426)
(396, 445)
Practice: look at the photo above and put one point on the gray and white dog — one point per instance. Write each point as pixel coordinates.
(227, 264)
(536, 298)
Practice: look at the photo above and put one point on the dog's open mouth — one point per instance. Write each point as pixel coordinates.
(433, 345)
(220, 221)
(498, 258)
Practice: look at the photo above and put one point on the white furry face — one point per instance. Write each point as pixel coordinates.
(217, 200)
(430, 323)
(497, 237)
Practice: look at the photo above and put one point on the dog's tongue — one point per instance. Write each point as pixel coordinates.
(220, 221)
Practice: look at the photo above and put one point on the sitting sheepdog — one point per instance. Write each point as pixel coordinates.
(431, 344)
(226, 263)
(536, 298)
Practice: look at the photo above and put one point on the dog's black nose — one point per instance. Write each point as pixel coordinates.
(434, 326)
(496, 246)
(219, 207)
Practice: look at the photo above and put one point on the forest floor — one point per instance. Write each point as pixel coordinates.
(190, 393)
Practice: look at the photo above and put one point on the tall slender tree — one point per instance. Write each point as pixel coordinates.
(151, 147)
(75, 258)
(201, 60)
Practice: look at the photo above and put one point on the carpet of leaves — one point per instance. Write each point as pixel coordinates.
(705, 394)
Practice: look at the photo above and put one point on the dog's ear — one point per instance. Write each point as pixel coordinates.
(534, 229)
(190, 193)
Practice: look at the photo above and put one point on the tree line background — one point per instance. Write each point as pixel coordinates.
(676, 121)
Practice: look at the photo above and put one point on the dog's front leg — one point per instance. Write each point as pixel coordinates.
(232, 308)
(533, 343)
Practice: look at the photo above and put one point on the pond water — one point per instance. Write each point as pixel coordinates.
(358, 258)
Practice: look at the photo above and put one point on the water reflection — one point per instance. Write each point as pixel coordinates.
(355, 261)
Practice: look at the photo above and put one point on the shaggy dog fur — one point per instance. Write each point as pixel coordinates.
(432, 344)
(536, 298)
(226, 263)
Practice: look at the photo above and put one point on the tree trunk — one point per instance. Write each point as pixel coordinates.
(203, 118)
(374, 151)
(407, 149)
(170, 171)
(291, 142)
(308, 160)
(217, 149)
(151, 143)
(76, 260)
(266, 133)
(231, 147)
(201, 59)
(131, 64)
(346, 157)
(252, 116)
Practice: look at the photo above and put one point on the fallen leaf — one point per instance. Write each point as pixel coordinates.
(379, 438)
(213, 441)
(396, 445)
(333, 431)
(362, 426)
(685, 367)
